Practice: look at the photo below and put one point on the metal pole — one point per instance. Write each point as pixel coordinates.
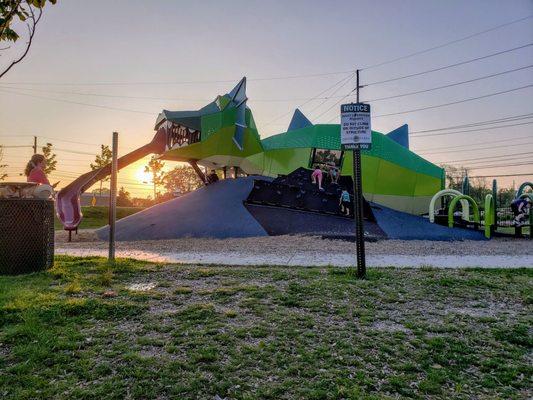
(113, 199)
(35, 145)
(358, 204)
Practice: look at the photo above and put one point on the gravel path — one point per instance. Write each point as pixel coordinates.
(314, 260)
(304, 250)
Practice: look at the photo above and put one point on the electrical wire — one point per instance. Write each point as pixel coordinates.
(76, 102)
(347, 78)
(446, 44)
(472, 163)
(475, 130)
(474, 149)
(470, 144)
(502, 166)
(471, 124)
(449, 85)
(501, 176)
(271, 78)
(484, 158)
(448, 66)
(454, 102)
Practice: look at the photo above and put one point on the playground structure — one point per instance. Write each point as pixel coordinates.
(398, 185)
(492, 219)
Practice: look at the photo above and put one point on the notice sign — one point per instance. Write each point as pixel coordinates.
(355, 126)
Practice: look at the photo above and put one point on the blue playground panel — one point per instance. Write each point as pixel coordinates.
(400, 225)
(214, 211)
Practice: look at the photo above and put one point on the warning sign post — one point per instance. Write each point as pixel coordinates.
(356, 134)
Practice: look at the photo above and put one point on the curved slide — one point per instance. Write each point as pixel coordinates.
(68, 198)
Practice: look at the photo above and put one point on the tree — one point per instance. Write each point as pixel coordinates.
(29, 12)
(50, 158)
(3, 175)
(155, 167)
(101, 160)
(124, 198)
(101, 192)
(454, 176)
(182, 179)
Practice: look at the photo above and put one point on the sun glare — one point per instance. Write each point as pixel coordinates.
(142, 176)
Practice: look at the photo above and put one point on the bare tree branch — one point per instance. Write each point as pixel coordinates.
(31, 31)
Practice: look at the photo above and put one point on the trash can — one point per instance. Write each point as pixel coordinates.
(26, 235)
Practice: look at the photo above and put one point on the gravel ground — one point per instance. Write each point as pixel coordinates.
(86, 239)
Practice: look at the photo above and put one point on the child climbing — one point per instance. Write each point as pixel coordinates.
(344, 202)
(316, 177)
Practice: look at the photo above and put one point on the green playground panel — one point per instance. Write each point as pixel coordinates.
(389, 169)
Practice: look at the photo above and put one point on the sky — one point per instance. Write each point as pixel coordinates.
(97, 67)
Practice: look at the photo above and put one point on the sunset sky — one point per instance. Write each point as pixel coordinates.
(100, 66)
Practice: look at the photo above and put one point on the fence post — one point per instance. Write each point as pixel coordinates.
(113, 199)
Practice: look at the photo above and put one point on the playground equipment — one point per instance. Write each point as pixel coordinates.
(494, 220)
(453, 204)
(68, 199)
(223, 135)
(523, 187)
(452, 193)
(490, 215)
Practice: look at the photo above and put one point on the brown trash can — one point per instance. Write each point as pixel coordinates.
(26, 235)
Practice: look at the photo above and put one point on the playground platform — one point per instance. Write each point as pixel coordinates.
(219, 211)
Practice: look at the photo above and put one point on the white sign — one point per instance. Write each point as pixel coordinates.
(356, 132)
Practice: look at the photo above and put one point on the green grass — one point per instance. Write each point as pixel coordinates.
(98, 216)
(78, 332)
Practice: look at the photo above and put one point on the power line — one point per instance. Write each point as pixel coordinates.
(514, 160)
(484, 158)
(467, 145)
(347, 78)
(501, 176)
(475, 149)
(502, 166)
(450, 85)
(448, 66)
(76, 102)
(447, 43)
(271, 78)
(454, 102)
(102, 94)
(158, 98)
(471, 124)
(329, 97)
(476, 130)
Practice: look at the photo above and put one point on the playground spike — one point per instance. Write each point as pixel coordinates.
(298, 121)
(238, 98)
(400, 135)
(238, 93)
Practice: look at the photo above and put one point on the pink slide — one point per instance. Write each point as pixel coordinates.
(68, 198)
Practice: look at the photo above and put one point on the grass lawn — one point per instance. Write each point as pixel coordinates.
(98, 216)
(79, 331)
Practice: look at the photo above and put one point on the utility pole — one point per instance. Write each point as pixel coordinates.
(358, 202)
(35, 145)
(113, 198)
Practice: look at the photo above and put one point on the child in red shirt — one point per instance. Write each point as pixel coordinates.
(35, 170)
